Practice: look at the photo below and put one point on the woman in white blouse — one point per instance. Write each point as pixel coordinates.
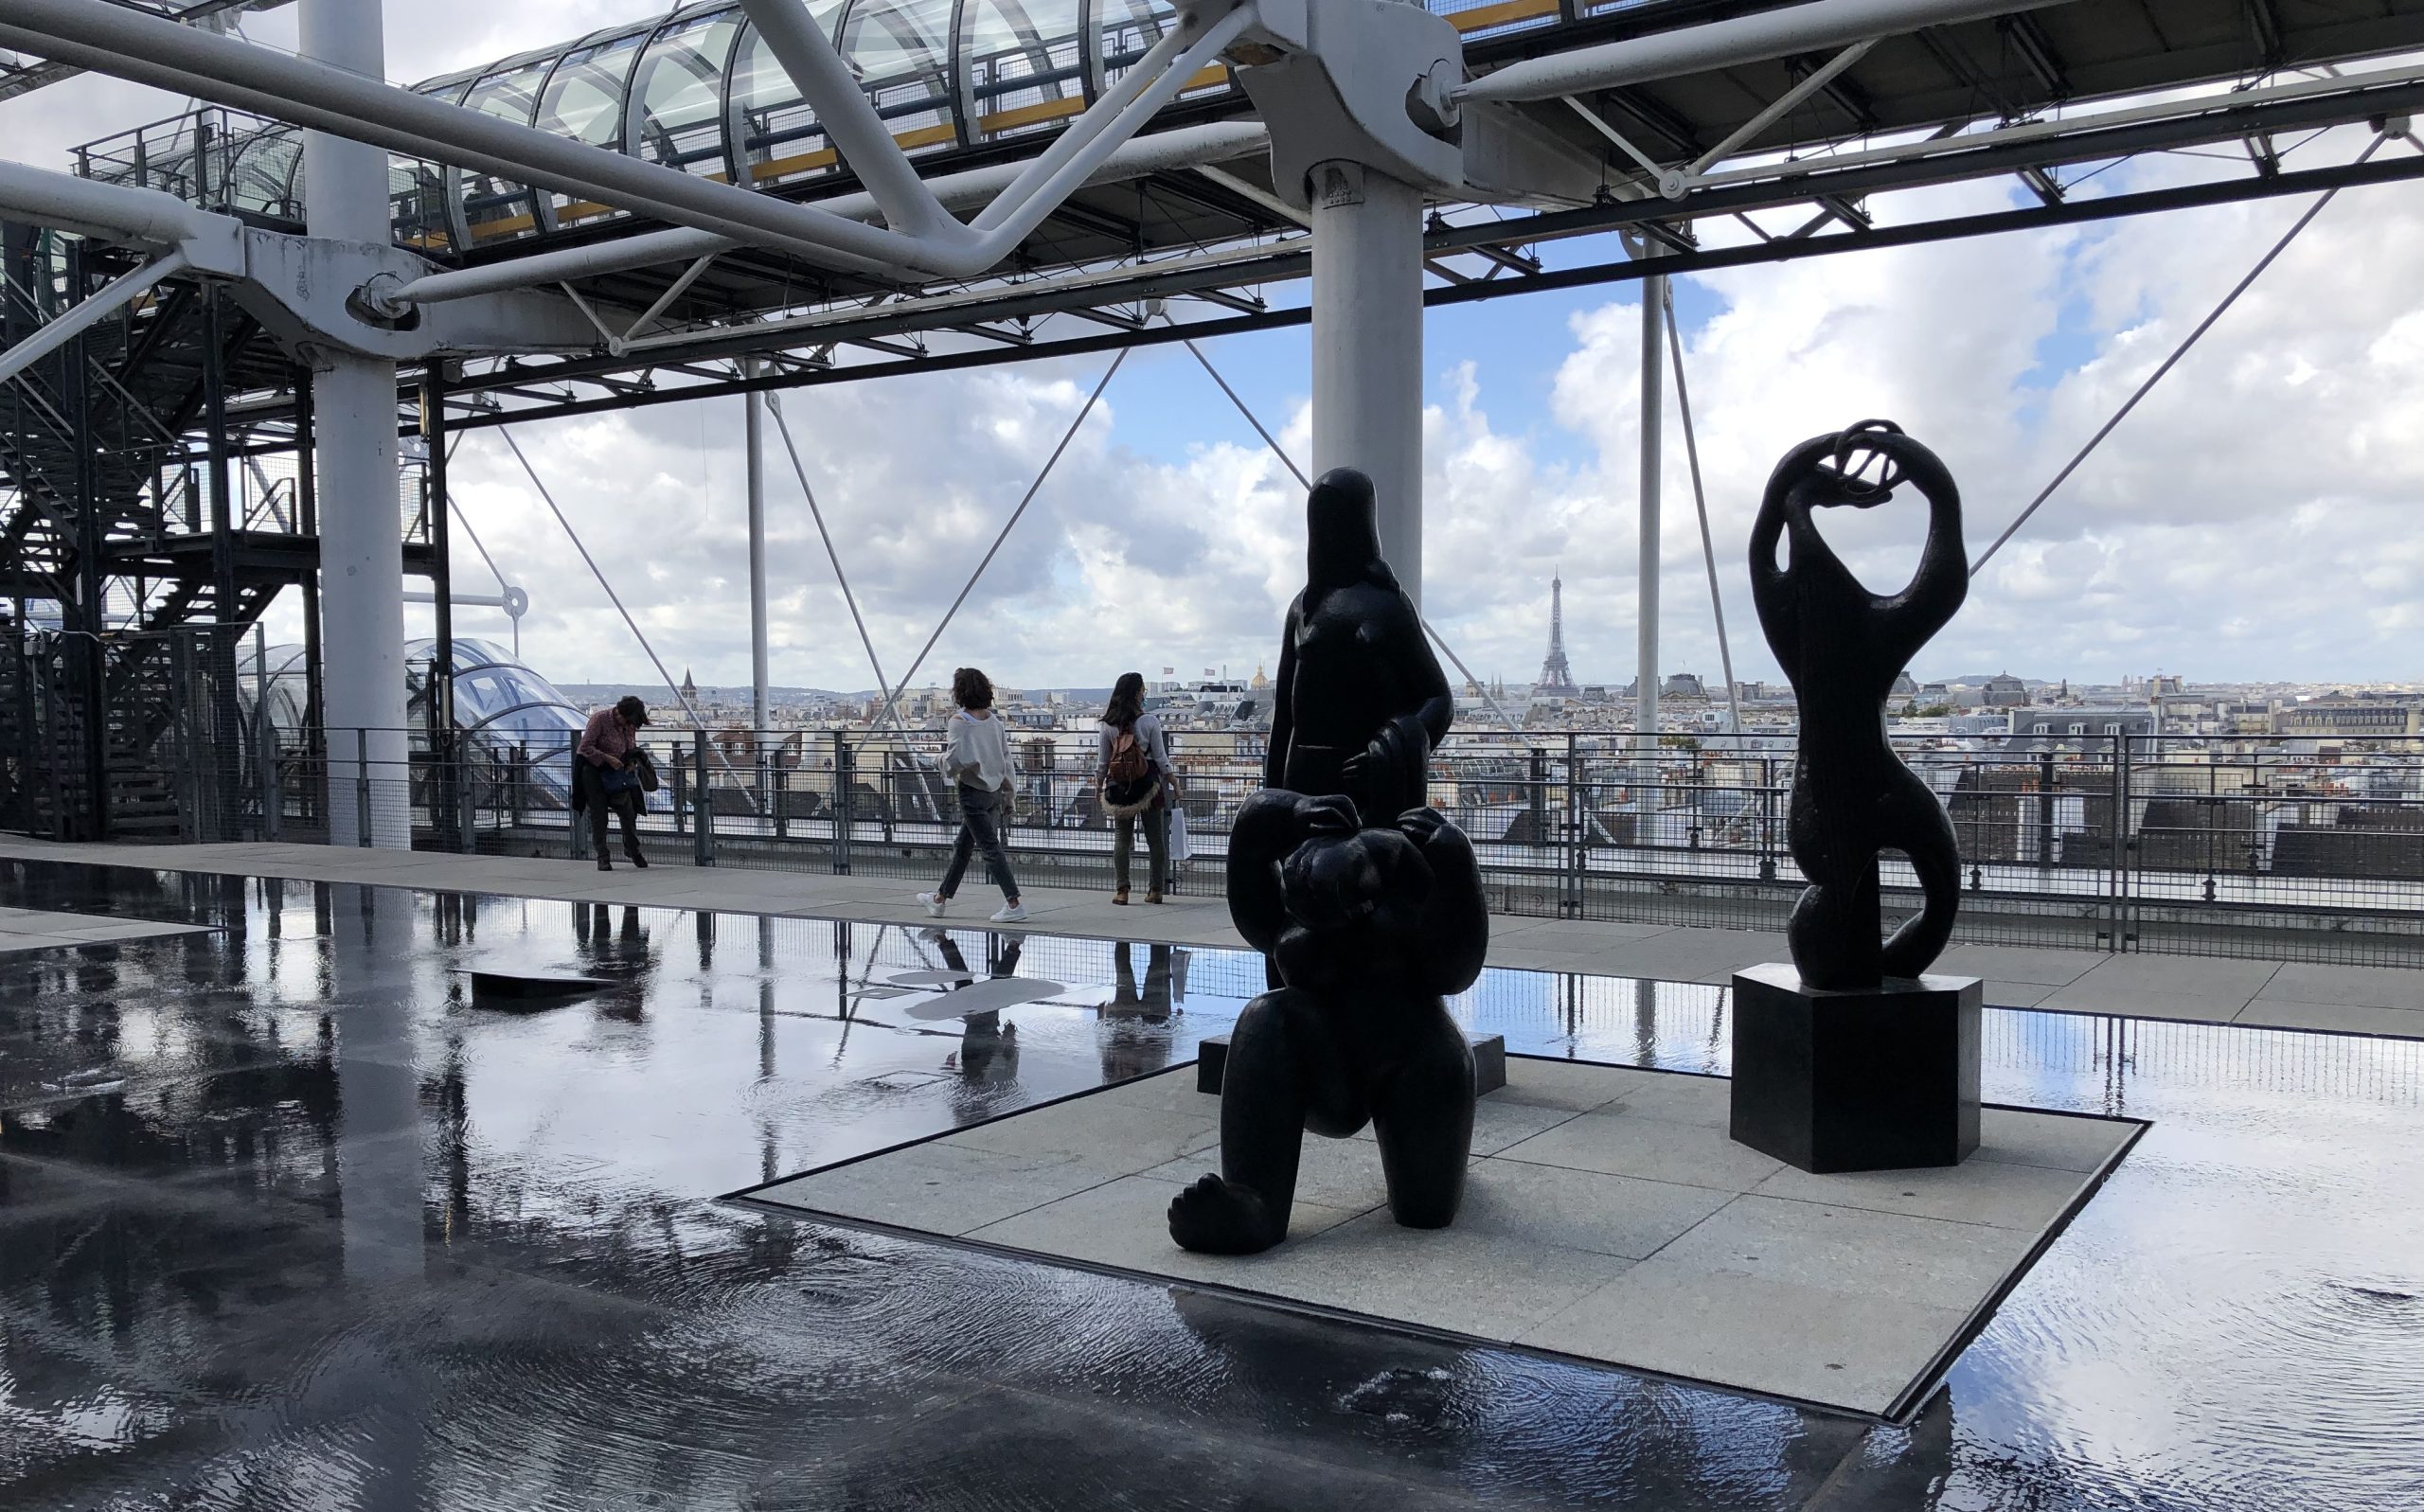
(978, 758)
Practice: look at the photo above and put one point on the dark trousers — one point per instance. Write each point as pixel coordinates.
(982, 814)
(1156, 825)
(626, 805)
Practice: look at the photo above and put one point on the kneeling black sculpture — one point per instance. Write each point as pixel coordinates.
(1864, 1062)
(1366, 905)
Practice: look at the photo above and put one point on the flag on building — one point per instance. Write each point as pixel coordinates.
(1169, 671)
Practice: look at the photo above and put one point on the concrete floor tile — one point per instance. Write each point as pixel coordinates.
(2020, 962)
(1125, 1223)
(1649, 1150)
(1528, 1207)
(2054, 1141)
(1677, 1097)
(1755, 1332)
(2281, 1013)
(2088, 995)
(939, 1187)
(1341, 1173)
(1454, 1278)
(1995, 1192)
(1576, 1086)
(1498, 1124)
(2211, 975)
(1111, 1137)
(2356, 985)
(1168, 1092)
(2018, 994)
(1857, 1251)
(19, 944)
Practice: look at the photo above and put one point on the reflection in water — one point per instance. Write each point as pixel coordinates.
(559, 1314)
(1134, 1038)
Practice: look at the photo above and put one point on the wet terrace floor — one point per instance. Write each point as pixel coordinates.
(290, 1218)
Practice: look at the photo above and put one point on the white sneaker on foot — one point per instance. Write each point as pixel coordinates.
(934, 903)
(1011, 913)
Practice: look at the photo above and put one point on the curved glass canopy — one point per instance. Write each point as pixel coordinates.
(698, 90)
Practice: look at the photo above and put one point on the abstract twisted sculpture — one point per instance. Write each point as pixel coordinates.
(1369, 928)
(1843, 646)
(1365, 903)
(1360, 703)
(1853, 1060)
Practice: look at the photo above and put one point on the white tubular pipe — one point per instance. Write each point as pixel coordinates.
(847, 115)
(1811, 27)
(1081, 133)
(1368, 349)
(129, 44)
(1185, 147)
(59, 332)
(108, 212)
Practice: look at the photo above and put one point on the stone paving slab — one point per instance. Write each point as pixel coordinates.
(36, 929)
(1607, 1217)
(2195, 989)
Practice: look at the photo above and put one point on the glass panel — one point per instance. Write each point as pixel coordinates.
(417, 188)
(901, 52)
(780, 141)
(1024, 63)
(262, 175)
(680, 92)
(584, 101)
(1130, 28)
(493, 209)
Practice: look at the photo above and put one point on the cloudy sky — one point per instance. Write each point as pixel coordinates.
(2253, 519)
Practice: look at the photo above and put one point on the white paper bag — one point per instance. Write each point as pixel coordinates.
(1180, 847)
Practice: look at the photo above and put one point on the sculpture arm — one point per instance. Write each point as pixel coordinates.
(1283, 700)
(1267, 828)
(1942, 581)
(1770, 586)
(1456, 913)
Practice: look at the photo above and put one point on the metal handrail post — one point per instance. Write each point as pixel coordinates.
(362, 786)
(703, 830)
(842, 801)
(1574, 820)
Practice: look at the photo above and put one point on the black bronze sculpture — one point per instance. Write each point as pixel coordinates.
(1843, 646)
(1360, 703)
(1852, 1058)
(1370, 928)
(1366, 903)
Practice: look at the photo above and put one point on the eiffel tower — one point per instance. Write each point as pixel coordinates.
(1555, 677)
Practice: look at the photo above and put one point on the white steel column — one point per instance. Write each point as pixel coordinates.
(362, 568)
(1653, 411)
(1368, 346)
(760, 714)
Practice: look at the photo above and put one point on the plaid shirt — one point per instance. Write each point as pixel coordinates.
(606, 736)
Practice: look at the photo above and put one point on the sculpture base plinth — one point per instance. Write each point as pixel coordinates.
(1870, 1080)
(1489, 1063)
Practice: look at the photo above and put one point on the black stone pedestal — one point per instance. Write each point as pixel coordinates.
(1489, 1063)
(1856, 1082)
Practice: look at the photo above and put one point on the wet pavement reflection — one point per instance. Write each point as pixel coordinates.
(288, 1219)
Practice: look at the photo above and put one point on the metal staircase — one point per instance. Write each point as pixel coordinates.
(130, 565)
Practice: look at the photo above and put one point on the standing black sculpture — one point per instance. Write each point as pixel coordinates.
(1360, 703)
(1843, 646)
(1366, 904)
(1852, 1059)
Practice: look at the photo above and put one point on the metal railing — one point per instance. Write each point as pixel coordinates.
(2291, 850)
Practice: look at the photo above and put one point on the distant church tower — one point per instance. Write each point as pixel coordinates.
(1555, 677)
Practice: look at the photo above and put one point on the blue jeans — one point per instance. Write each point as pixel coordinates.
(981, 814)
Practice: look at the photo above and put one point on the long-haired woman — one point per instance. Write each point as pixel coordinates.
(978, 758)
(1137, 782)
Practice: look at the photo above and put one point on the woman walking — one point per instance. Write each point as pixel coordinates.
(978, 758)
(1137, 782)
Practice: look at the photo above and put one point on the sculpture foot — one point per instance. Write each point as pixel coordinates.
(1218, 1216)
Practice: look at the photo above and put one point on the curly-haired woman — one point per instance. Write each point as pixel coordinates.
(978, 758)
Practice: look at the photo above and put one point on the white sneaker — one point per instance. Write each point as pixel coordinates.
(934, 903)
(1011, 913)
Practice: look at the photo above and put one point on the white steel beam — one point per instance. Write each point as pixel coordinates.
(130, 44)
(108, 301)
(1813, 27)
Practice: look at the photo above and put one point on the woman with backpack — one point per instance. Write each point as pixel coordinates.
(1136, 780)
(979, 760)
